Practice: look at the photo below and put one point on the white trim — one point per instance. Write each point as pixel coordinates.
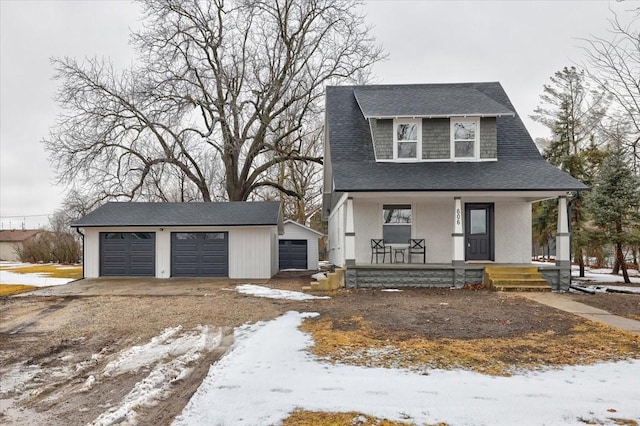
(388, 117)
(476, 144)
(373, 139)
(440, 160)
(401, 197)
(418, 123)
(340, 202)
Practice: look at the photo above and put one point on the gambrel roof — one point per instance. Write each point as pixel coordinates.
(519, 165)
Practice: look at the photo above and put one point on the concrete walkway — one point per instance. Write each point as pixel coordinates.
(562, 303)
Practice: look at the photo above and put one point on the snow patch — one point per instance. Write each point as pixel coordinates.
(391, 290)
(184, 350)
(164, 345)
(319, 276)
(255, 382)
(37, 280)
(273, 293)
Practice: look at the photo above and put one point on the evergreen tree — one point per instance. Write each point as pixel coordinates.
(572, 111)
(614, 204)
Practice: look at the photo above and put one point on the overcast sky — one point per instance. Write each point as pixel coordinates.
(519, 43)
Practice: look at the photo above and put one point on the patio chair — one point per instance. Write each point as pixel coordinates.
(378, 247)
(417, 246)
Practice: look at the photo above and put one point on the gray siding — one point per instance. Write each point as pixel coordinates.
(488, 138)
(436, 142)
(436, 138)
(383, 138)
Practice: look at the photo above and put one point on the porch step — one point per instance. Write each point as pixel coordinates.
(332, 281)
(512, 278)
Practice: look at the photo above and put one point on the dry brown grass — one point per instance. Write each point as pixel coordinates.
(352, 418)
(587, 343)
(11, 289)
(51, 271)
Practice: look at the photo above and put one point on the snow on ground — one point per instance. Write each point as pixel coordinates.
(166, 358)
(172, 355)
(319, 276)
(605, 288)
(603, 275)
(269, 373)
(38, 280)
(274, 293)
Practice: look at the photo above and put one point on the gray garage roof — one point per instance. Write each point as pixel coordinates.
(183, 214)
(519, 165)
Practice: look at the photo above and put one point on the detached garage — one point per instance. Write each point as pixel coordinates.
(234, 239)
(298, 247)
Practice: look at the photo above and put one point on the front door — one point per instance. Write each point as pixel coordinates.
(479, 231)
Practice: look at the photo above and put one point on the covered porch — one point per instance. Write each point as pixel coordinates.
(463, 233)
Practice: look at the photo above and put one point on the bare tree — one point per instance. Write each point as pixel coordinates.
(613, 63)
(222, 88)
(573, 112)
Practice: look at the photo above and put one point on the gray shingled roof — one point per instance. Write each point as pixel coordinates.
(519, 165)
(183, 214)
(426, 101)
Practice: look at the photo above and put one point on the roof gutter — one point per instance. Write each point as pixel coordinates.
(490, 115)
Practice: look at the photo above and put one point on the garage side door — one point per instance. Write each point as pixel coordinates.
(199, 254)
(293, 254)
(127, 254)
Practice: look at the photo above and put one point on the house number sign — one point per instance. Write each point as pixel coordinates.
(458, 216)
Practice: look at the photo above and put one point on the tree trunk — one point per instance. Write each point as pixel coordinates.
(581, 262)
(623, 264)
(616, 264)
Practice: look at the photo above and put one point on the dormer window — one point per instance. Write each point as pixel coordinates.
(407, 135)
(464, 138)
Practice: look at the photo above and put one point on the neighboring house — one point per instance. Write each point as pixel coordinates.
(452, 164)
(299, 246)
(232, 239)
(12, 239)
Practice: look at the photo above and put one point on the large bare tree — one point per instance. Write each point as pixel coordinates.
(613, 63)
(219, 97)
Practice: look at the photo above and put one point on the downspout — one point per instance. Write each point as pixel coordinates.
(82, 235)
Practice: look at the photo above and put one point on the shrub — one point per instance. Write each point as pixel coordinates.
(59, 247)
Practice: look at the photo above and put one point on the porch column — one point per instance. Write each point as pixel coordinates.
(457, 258)
(349, 236)
(563, 245)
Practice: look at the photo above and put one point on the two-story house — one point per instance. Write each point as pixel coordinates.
(450, 164)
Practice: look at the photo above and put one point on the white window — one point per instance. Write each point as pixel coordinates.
(407, 136)
(465, 143)
(396, 223)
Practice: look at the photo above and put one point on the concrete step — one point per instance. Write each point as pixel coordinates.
(511, 269)
(515, 275)
(519, 281)
(515, 287)
(517, 278)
